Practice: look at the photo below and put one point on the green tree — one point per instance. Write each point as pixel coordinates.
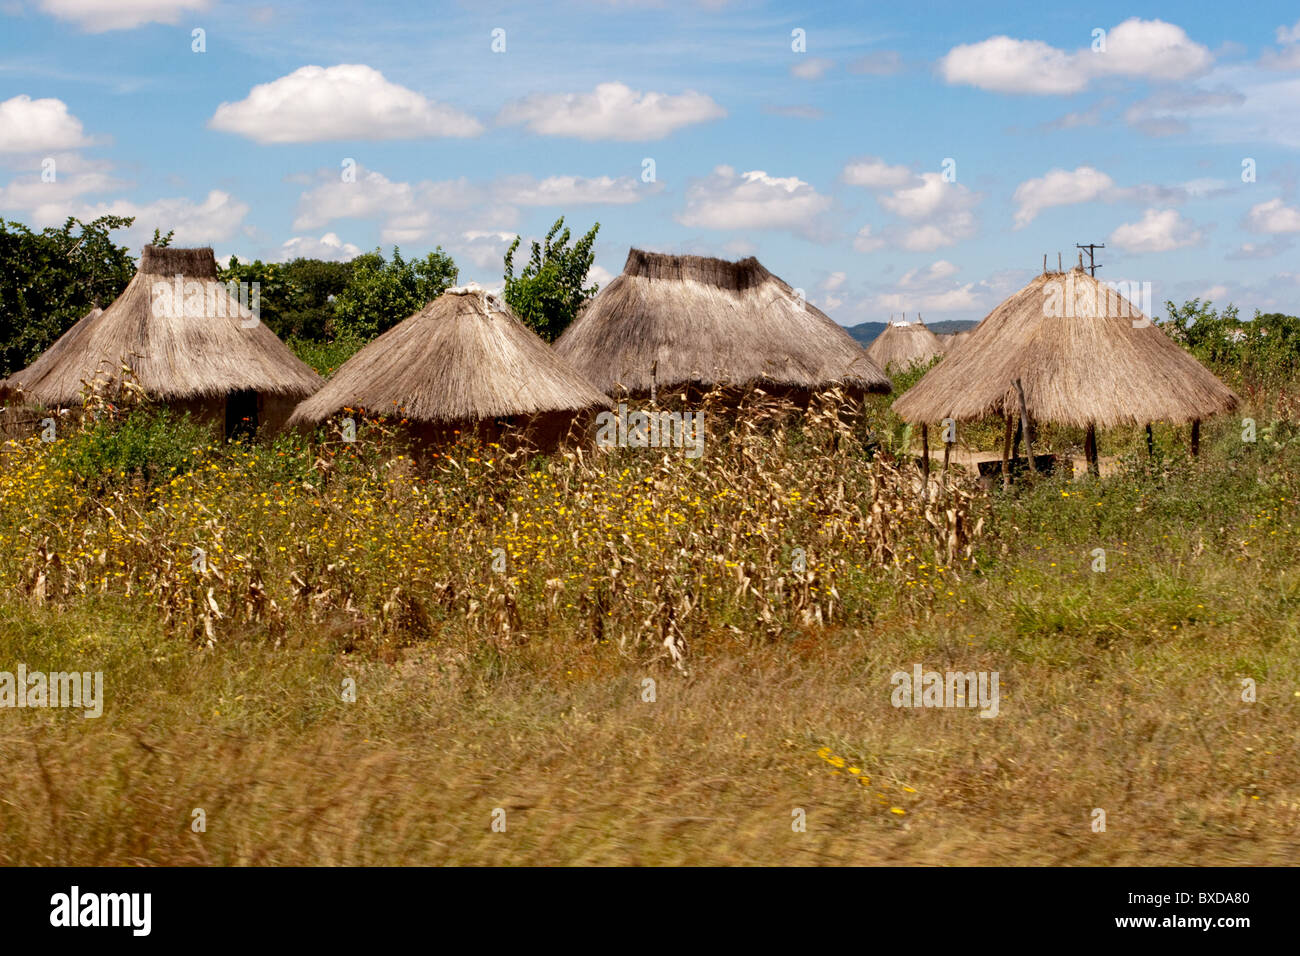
(314, 285)
(382, 292)
(50, 279)
(550, 290)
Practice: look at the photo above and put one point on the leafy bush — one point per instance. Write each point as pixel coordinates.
(150, 444)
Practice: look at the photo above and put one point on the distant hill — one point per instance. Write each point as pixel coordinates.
(866, 332)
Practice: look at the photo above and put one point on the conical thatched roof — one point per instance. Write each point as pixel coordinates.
(710, 322)
(1071, 342)
(193, 345)
(463, 357)
(904, 344)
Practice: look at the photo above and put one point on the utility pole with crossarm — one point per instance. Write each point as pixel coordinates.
(1093, 266)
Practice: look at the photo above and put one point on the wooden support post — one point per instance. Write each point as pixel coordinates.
(925, 462)
(1020, 434)
(1090, 448)
(1151, 442)
(654, 382)
(947, 450)
(1028, 424)
(1196, 438)
(1006, 449)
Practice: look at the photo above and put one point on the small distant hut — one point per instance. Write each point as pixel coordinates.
(185, 341)
(904, 345)
(670, 322)
(462, 364)
(1067, 349)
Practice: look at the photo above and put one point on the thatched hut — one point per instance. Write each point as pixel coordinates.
(690, 321)
(950, 340)
(1068, 349)
(903, 345)
(463, 363)
(186, 343)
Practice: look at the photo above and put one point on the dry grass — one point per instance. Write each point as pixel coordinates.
(1120, 690)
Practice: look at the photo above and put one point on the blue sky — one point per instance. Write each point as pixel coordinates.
(326, 128)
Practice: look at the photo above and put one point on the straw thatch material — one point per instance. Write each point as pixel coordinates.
(464, 357)
(678, 320)
(905, 344)
(1071, 342)
(199, 348)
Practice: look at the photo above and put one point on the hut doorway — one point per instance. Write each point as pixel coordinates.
(241, 414)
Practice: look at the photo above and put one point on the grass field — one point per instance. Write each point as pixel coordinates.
(501, 618)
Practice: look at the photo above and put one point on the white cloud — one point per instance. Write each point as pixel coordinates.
(1287, 58)
(372, 195)
(1007, 65)
(865, 241)
(834, 281)
(569, 191)
(811, 68)
(942, 213)
(32, 193)
(218, 217)
(1259, 250)
(874, 173)
(1152, 49)
(350, 101)
(35, 126)
(1157, 231)
(98, 16)
(932, 273)
(328, 247)
(1146, 49)
(754, 200)
(485, 249)
(600, 275)
(1058, 187)
(411, 212)
(613, 112)
(1061, 187)
(1273, 217)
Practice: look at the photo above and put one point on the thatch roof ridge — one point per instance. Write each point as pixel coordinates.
(465, 356)
(1076, 367)
(696, 319)
(196, 263)
(174, 352)
(723, 273)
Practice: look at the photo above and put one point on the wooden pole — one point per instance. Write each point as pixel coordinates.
(1020, 433)
(1090, 447)
(1151, 442)
(654, 382)
(1028, 424)
(1196, 438)
(925, 462)
(1006, 449)
(947, 450)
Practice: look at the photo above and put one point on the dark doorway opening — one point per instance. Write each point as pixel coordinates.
(241, 415)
